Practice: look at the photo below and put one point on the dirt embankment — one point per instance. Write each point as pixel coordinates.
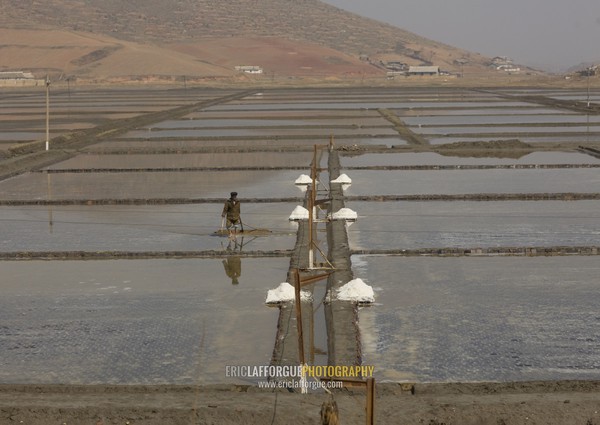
(511, 148)
(548, 403)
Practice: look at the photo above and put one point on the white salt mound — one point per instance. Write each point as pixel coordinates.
(285, 292)
(299, 213)
(344, 214)
(303, 179)
(356, 290)
(343, 178)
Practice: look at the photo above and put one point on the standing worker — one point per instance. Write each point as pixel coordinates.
(231, 211)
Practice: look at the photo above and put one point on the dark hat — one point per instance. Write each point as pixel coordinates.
(233, 194)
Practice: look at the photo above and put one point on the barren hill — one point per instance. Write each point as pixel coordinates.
(207, 38)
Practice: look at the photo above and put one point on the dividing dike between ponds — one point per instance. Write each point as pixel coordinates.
(341, 317)
(565, 196)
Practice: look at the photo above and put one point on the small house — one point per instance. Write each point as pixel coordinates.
(423, 70)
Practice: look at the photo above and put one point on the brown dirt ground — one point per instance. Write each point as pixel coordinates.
(278, 57)
(549, 403)
(59, 51)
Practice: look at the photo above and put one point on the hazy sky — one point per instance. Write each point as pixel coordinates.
(549, 34)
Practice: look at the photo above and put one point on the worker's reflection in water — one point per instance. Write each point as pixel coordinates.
(233, 268)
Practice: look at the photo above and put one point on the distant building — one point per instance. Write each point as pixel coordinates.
(588, 72)
(16, 75)
(501, 60)
(504, 63)
(393, 74)
(508, 68)
(423, 70)
(249, 69)
(396, 66)
(18, 79)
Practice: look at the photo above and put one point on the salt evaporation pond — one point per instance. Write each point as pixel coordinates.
(414, 182)
(260, 116)
(140, 228)
(388, 140)
(413, 225)
(223, 160)
(259, 122)
(432, 158)
(522, 131)
(258, 131)
(481, 319)
(21, 135)
(135, 321)
(483, 112)
(128, 185)
(182, 321)
(232, 106)
(439, 120)
(523, 137)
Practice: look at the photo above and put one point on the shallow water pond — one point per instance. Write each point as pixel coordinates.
(413, 225)
(258, 131)
(135, 322)
(193, 184)
(139, 228)
(375, 182)
(524, 137)
(432, 158)
(224, 160)
(481, 319)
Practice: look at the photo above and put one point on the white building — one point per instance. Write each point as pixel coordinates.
(423, 70)
(249, 69)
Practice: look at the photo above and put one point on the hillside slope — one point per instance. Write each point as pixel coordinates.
(307, 37)
(90, 55)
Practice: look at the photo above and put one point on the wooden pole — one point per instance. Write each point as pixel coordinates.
(369, 384)
(50, 219)
(299, 317)
(47, 112)
(311, 204)
(370, 401)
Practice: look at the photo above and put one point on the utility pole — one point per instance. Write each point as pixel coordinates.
(588, 72)
(47, 112)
